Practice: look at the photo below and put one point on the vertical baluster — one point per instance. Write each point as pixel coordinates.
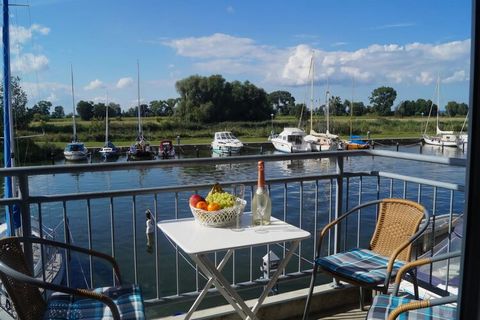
(404, 189)
(66, 237)
(285, 203)
(345, 233)
(338, 203)
(251, 249)
(134, 226)
(450, 217)
(315, 222)
(360, 190)
(300, 226)
(176, 249)
(330, 218)
(42, 253)
(432, 223)
(89, 235)
(157, 252)
(391, 188)
(112, 231)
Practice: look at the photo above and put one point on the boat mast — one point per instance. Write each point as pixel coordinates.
(312, 75)
(12, 221)
(327, 108)
(106, 119)
(73, 106)
(438, 102)
(140, 133)
(351, 106)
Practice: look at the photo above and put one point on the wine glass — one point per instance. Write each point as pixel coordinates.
(239, 193)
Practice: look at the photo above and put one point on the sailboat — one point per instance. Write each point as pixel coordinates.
(320, 141)
(109, 151)
(442, 138)
(355, 142)
(75, 150)
(141, 149)
(463, 136)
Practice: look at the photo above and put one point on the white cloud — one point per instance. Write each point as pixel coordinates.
(51, 90)
(95, 84)
(411, 63)
(394, 25)
(124, 83)
(29, 63)
(457, 76)
(218, 45)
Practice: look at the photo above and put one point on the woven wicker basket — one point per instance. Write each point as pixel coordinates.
(219, 218)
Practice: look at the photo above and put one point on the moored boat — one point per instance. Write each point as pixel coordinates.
(224, 142)
(166, 150)
(291, 140)
(109, 150)
(355, 143)
(75, 150)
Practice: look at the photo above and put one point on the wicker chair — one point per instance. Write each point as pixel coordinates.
(398, 225)
(119, 302)
(392, 306)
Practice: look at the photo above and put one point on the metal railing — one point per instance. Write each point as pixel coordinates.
(314, 199)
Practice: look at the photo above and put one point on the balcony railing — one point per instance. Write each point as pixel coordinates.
(307, 201)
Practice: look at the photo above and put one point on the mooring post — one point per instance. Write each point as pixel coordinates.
(197, 152)
(398, 144)
(421, 148)
(373, 145)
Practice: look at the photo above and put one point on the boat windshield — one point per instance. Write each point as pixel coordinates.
(223, 136)
(74, 147)
(295, 139)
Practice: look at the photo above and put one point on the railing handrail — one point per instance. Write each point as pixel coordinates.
(79, 168)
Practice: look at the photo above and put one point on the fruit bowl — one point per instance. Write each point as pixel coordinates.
(219, 218)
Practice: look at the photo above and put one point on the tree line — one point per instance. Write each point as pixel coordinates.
(213, 99)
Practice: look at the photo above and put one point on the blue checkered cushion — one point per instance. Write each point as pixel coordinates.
(128, 299)
(383, 305)
(359, 264)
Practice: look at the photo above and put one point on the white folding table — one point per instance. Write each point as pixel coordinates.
(198, 241)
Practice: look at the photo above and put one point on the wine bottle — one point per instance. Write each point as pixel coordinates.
(261, 201)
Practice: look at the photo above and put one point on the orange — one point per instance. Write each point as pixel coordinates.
(201, 205)
(213, 206)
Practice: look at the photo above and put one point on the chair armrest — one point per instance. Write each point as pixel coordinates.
(343, 216)
(421, 262)
(420, 305)
(58, 288)
(78, 249)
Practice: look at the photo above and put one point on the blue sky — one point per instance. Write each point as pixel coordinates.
(403, 44)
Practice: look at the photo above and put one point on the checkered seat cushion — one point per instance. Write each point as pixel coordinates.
(383, 305)
(127, 298)
(361, 265)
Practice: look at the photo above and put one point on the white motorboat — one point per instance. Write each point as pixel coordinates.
(291, 140)
(75, 151)
(225, 142)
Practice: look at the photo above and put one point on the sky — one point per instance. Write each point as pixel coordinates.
(357, 46)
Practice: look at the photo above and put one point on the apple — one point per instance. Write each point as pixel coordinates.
(194, 198)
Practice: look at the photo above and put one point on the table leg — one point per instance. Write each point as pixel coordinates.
(224, 287)
(207, 285)
(275, 276)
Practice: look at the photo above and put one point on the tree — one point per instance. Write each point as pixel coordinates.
(359, 108)
(382, 100)
(212, 99)
(337, 108)
(42, 108)
(20, 114)
(453, 108)
(281, 101)
(85, 109)
(58, 112)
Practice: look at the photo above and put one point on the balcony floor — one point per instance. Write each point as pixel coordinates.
(355, 314)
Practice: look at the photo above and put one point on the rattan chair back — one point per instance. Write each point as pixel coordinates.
(398, 220)
(27, 300)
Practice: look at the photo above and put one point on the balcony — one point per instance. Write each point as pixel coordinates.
(307, 190)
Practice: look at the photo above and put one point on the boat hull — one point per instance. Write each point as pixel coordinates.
(442, 141)
(75, 155)
(289, 148)
(225, 149)
(140, 155)
(356, 146)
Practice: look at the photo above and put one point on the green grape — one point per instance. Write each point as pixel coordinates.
(223, 199)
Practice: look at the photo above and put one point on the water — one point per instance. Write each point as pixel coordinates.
(128, 221)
